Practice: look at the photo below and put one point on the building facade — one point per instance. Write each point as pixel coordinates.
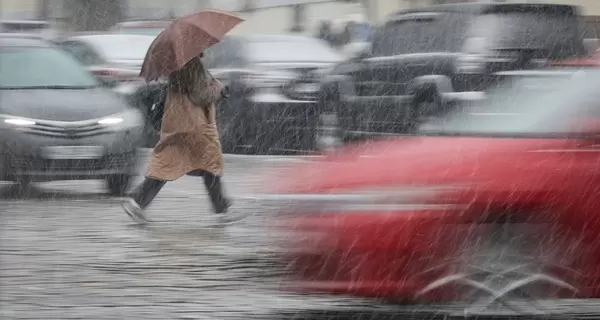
(262, 16)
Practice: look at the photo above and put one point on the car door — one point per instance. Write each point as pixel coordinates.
(222, 59)
(400, 53)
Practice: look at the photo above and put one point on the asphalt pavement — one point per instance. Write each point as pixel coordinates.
(67, 251)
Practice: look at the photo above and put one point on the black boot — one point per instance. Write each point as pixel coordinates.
(220, 204)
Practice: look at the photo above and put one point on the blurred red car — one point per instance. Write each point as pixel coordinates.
(592, 60)
(496, 209)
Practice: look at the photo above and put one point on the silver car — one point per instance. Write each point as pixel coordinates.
(111, 57)
(58, 123)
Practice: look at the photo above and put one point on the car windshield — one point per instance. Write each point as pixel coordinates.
(32, 67)
(122, 47)
(292, 51)
(529, 105)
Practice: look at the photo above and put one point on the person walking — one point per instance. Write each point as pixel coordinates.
(189, 140)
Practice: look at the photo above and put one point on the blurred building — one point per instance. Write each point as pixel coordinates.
(263, 16)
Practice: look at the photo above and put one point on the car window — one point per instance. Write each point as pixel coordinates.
(41, 67)
(121, 47)
(301, 50)
(446, 33)
(434, 32)
(82, 52)
(398, 37)
(225, 54)
(557, 33)
(540, 104)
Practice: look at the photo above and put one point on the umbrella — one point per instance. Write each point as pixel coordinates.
(184, 39)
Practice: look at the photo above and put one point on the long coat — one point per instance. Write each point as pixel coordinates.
(189, 139)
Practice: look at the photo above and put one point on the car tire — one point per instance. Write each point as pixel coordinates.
(117, 184)
(508, 271)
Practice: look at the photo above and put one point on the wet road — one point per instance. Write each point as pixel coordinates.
(69, 252)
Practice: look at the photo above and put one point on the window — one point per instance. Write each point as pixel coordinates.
(446, 33)
(398, 37)
(421, 33)
(542, 104)
(24, 68)
(82, 52)
(529, 29)
(305, 50)
(121, 47)
(224, 54)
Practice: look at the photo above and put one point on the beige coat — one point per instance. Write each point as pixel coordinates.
(189, 139)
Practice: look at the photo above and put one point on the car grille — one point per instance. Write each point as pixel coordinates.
(304, 77)
(25, 164)
(74, 129)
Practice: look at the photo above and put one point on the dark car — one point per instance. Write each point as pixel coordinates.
(58, 123)
(273, 86)
(423, 61)
(111, 57)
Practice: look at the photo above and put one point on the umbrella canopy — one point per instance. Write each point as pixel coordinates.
(184, 39)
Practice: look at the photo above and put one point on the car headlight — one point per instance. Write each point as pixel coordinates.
(19, 122)
(124, 120)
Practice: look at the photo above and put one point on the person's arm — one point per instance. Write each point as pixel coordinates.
(214, 90)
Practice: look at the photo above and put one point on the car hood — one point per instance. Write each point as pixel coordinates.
(61, 105)
(423, 161)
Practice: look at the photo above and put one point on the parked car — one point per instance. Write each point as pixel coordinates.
(141, 27)
(40, 27)
(493, 211)
(111, 57)
(58, 123)
(274, 87)
(423, 61)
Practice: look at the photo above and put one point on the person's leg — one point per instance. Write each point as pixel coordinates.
(141, 197)
(146, 191)
(215, 191)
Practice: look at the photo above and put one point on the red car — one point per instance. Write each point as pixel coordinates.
(492, 209)
(592, 60)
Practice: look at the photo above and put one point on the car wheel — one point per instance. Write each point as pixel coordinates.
(118, 183)
(508, 268)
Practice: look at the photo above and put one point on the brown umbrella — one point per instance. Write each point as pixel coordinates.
(184, 39)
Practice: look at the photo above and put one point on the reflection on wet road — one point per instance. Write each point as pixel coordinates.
(68, 251)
